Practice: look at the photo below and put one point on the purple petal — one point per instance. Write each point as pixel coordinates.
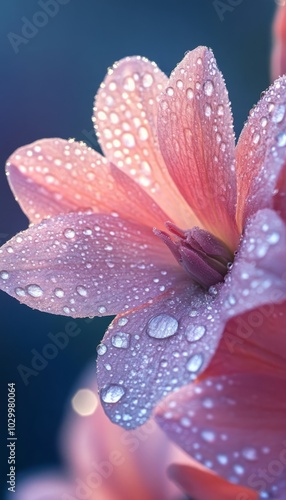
(154, 350)
(86, 264)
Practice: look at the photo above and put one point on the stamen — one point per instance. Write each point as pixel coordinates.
(203, 256)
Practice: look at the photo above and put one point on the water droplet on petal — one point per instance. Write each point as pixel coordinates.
(35, 291)
(69, 233)
(81, 290)
(179, 84)
(112, 393)
(170, 91)
(273, 238)
(208, 110)
(281, 139)
(121, 340)
(208, 436)
(59, 293)
(20, 292)
(222, 459)
(278, 113)
(4, 275)
(256, 138)
(190, 93)
(249, 454)
(195, 362)
(195, 332)
(162, 326)
(122, 321)
(101, 309)
(128, 140)
(101, 349)
(147, 80)
(208, 87)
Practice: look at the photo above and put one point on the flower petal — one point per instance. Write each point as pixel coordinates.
(261, 154)
(197, 141)
(278, 56)
(86, 264)
(215, 421)
(125, 117)
(202, 484)
(50, 484)
(128, 465)
(154, 350)
(54, 176)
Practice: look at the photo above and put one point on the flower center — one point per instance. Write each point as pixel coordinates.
(203, 256)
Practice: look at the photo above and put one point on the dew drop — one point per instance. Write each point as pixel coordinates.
(195, 332)
(170, 91)
(128, 140)
(208, 111)
(81, 290)
(20, 292)
(122, 321)
(4, 275)
(273, 238)
(34, 290)
(112, 393)
(101, 349)
(179, 84)
(249, 454)
(263, 121)
(222, 459)
(101, 309)
(256, 138)
(220, 110)
(69, 233)
(190, 93)
(121, 340)
(208, 436)
(162, 326)
(195, 362)
(278, 113)
(129, 84)
(59, 293)
(147, 80)
(143, 134)
(281, 139)
(208, 88)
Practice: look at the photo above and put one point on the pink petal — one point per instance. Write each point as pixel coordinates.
(261, 154)
(154, 350)
(54, 176)
(131, 465)
(86, 264)
(202, 484)
(235, 425)
(43, 486)
(278, 56)
(197, 141)
(125, 114)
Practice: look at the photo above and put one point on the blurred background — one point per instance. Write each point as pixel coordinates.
(48, 82)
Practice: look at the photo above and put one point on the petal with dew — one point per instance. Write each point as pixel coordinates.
(86, 264)
(215, 421)
(202, 484)
(47, 485)
(132, 464)
(196, 136)
(54, 176)
(261, 155)
(167, 343)
(125, 117)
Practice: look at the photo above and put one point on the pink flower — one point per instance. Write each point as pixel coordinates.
(173, 145)
(104, 462)
(278, 56)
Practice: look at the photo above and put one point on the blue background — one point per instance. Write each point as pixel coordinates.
(47, 90)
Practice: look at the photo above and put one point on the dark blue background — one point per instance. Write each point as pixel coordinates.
(47, 90)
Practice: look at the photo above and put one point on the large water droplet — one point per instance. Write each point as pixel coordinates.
(278, 113)
(69, 233)
(162, 326)
(81, 290)
(112, 393)
(128, 140)
(35, 291)
(281, 139)
(121, 340)
(4, 275)
(208, 87)
(195, 332)
(59, 293)
(20, 292)
(195, 362)
(101, 349)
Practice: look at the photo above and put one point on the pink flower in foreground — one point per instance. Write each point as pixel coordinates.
(278, 56)
(104, 462)
(173, 146)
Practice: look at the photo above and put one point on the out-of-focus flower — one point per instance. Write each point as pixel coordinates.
(105, 462)
(278, 56)
(166, 137)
